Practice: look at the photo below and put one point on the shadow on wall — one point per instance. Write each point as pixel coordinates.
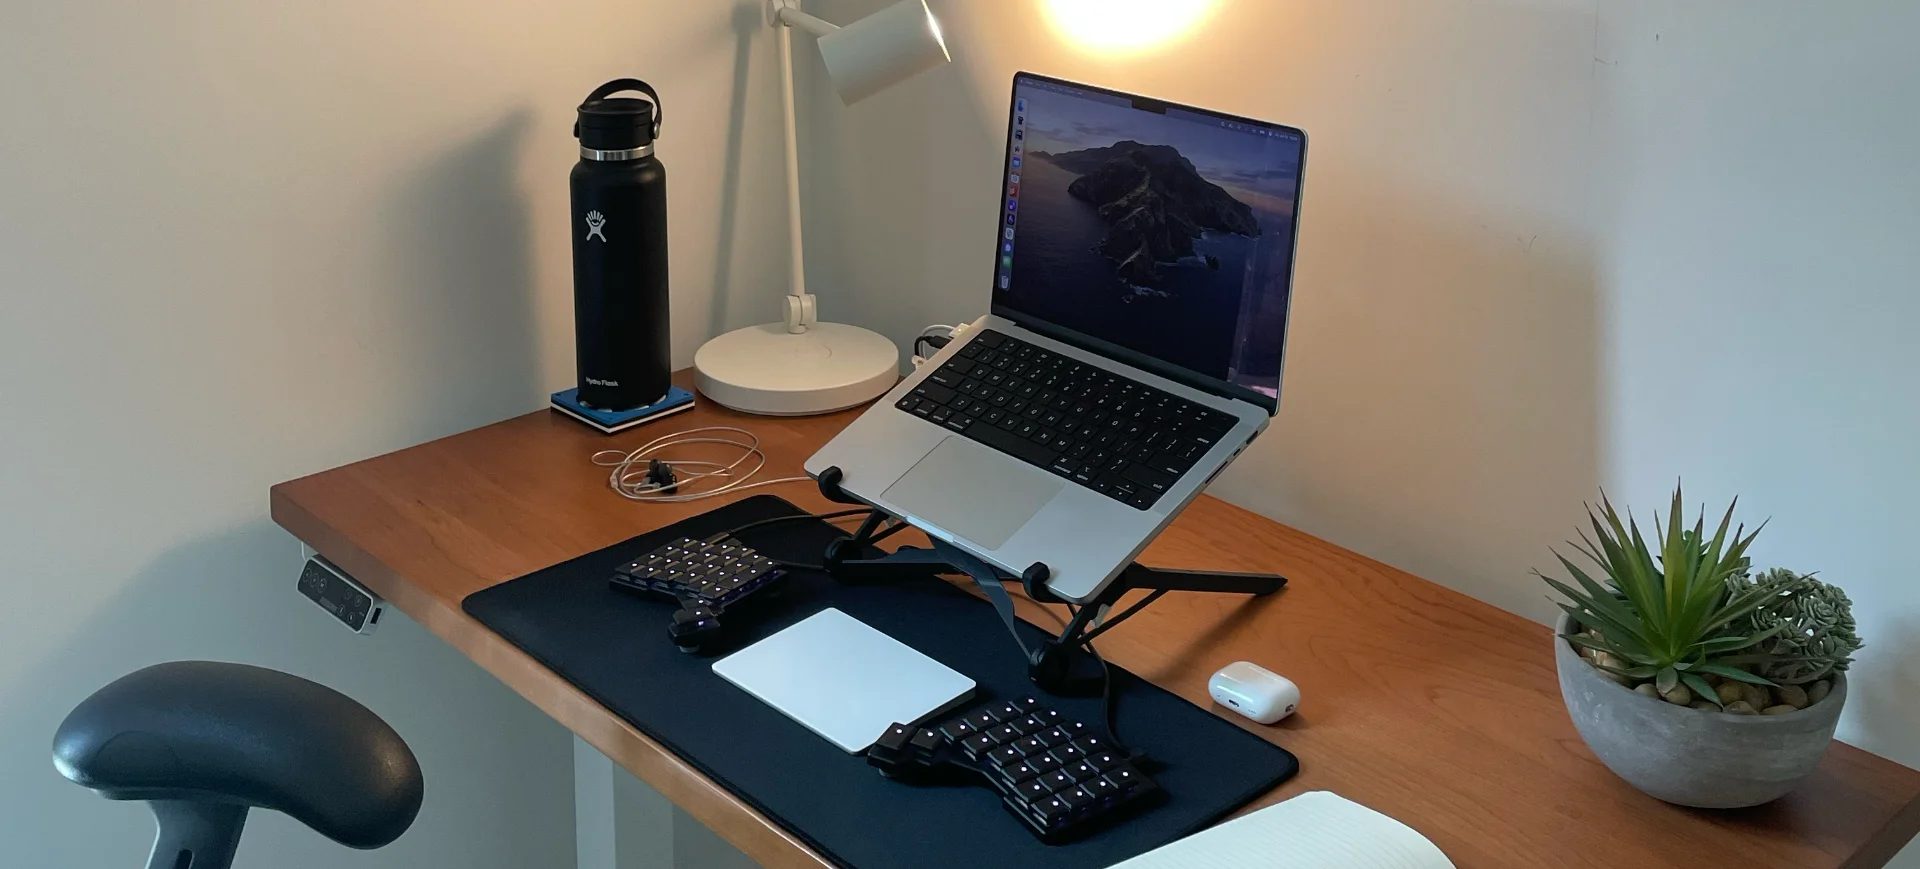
(1884, 696)
(1883, 699)
(749, 21)
(486, 753)
(1441, 406)
(459, 239)
(868, 182)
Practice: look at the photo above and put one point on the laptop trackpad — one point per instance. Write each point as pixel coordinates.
(972, 491)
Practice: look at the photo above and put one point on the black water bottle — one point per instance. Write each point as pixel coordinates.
(620, 316)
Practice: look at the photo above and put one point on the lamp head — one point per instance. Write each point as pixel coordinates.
(883, 49)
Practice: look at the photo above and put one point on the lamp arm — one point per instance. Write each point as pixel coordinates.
(793, 17)
(799, 305)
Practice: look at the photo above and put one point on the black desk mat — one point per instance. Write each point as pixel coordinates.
(614, 647)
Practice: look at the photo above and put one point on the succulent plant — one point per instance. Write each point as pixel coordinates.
(1669, 611)
(1810, 623)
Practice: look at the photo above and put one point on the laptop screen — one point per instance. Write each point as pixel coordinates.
(1163, 230)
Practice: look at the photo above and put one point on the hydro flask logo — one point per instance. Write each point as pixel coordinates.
(595, 220)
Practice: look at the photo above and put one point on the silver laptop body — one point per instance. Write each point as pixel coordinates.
(968, 487)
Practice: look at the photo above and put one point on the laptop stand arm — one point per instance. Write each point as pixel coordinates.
(1064, 664)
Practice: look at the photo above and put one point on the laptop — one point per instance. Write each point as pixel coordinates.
(1142, 270)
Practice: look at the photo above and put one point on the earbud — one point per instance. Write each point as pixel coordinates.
(660, 474)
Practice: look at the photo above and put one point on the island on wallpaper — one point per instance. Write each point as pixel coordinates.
(1162, 234)
(1155, 205)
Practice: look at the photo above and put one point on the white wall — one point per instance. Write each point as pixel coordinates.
(1547, 245)
(1759, 218)
(241, 242)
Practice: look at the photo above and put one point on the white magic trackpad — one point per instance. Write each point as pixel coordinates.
(974, 492)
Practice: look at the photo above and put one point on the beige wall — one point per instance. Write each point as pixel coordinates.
(242, 242)
(1547, 245)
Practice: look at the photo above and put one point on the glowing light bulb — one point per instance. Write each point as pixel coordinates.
(1127, 25)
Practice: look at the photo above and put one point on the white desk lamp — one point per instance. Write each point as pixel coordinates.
(802, 366)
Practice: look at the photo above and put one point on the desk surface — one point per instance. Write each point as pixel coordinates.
(1423, 703)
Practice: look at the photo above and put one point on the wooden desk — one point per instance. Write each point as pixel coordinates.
(1420, 702)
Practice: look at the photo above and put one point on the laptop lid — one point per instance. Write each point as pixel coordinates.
(1156, 234)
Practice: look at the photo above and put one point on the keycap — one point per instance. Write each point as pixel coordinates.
(1124, 777)
(1148, 477)
(1014, 445)
(1005, 755)
(1101, 789)
(1076, 798)
(1052, 811)
(895, 738)
(957, 729)
(934, 392)
(977, 744)
(927, 740)
(1033, 790)
(982, 719)
(1059, 780)
(1053, 736)
(1044, 763)
(1168, 463)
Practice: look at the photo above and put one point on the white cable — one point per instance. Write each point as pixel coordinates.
(629, 475)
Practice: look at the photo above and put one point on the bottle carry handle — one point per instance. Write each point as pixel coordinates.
(626, 84)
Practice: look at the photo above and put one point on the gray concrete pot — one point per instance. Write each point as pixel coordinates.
(1693, 757)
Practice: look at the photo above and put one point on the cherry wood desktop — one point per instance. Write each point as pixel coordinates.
(1420, 702)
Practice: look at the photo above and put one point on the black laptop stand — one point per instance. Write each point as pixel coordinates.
(1064, 665)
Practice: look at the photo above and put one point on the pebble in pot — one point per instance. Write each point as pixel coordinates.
(1694, 757)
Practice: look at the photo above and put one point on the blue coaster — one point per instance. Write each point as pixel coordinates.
(609, 421)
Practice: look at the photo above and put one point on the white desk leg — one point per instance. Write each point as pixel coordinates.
(620, 823)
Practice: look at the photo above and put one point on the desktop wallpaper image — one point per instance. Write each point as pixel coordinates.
(1168, 235)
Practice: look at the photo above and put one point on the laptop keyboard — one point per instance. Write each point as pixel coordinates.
(1123, 439)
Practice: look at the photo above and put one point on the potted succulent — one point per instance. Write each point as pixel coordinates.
(1690, 677)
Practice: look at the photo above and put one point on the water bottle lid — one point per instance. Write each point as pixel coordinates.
(610, 123)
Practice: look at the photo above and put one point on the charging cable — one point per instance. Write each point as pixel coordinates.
(643, 475)
(935, 337)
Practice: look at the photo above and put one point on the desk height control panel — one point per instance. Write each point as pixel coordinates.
(353, 604)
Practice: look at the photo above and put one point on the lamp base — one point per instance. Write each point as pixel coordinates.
(769, 371)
